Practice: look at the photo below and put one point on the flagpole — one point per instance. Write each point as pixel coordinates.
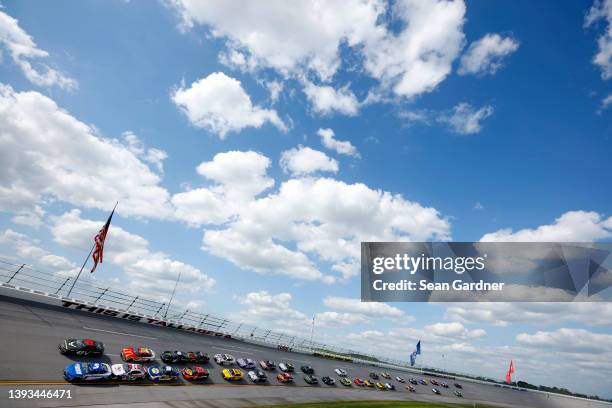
(83, 266)
(173, 290)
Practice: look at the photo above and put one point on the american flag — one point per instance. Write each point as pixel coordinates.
(98, 253)
(510, 372)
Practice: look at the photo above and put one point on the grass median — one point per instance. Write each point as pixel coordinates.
(375, 404)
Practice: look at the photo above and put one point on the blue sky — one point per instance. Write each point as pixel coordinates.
(459, 121)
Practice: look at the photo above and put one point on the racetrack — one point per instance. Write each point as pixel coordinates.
(30, 359)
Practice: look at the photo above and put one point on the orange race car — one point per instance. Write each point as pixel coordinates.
(137, 354)
(284, 378)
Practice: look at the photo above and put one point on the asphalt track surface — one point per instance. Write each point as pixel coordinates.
(30, 360)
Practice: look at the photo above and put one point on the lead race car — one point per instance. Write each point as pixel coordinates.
(94, 371)
(81, 347)
(128, 372)
(137, 354)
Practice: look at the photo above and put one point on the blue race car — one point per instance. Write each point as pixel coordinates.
(93, 371)
(162, 373)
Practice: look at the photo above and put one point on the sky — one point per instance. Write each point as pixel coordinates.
(253, 146)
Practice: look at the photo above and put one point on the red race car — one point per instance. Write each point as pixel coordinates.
(194, 373)
(284, 378)
(358, 381)
(137, 354)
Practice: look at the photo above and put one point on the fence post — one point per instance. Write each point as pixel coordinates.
(222, 324)
(238, 328)
(62, 286)
(160, 308)
(132, 304)
(16, 272)
(267, 334)
(102, 294)
(184, 313)
(202, 321)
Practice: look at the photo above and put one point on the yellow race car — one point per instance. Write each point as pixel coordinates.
(381, 386)
(232, 374)
(368, 383)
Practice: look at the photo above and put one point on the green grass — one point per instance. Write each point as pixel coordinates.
(372, 404)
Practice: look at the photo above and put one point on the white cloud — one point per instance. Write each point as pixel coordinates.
(302, 161)
(339, 146)
(466, 120)
(273, 310)
(602, 10)
(148, 272)
(606, 103)
(569, 340)
(486, 55)
(326, 100)
(219, 104)
(153, 156)
(46, 152)
(572, 226)
(370, 309)
(333, 319)
(29, 216)
(25, 54)
(305, 37)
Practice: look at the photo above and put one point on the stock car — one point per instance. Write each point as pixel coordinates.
(195, 373)
(422, 382)
(81, 347)
(400, 379)
(224, 359)
(328, 380)
(311, 379)
(340, 372)
(435, 391)
(381, 386)
(286, 367)
(413, 381)
(410, 388)
(267, 365)
(137, 354)
(197, 357)
(164, 373)
(94, 371)
(434, 382)
(386, 375)
(128, 372)
(458, 393)
(444, 385)
(345, 381)
(457, 385)
(246, 363)
(374, 376)
(306, 369)
(284, 378)
(390, 386)
(181, 357)
(257, 375)
(232, 374)
(368, 383)
(359, 382)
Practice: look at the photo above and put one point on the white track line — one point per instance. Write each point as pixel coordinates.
(123, 334)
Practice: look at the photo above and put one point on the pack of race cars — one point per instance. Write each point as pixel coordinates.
(139, 365)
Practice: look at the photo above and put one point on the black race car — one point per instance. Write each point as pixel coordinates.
(81, 347)
(328, 380)
(306, 369)
(458, 385)
(182, 357)
(311, 379)
(374, 376)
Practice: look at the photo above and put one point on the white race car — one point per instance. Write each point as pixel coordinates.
(400, 379)
(224, 359)
(340, 372)
(128, 372)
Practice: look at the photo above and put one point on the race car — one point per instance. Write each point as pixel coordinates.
(400, 379)
(232, 374)
(267, 365)
(286, 367)
(413, 381)
(197, 357)
(93, 371)
(246, 363)
(128, 372)
(137, 354)
(358, 381)
(306, 369)
(368, 383)
(81, 347)
(458, 393)
(435, 391)
(224, 359)
(410, 388)
(162, 373)
(423, 382)
(257, 375)
(195, 373)
(311, 379)
(386, 375)
(345, 381)
(173, 357)
(444, 385)
(374, 376)
(381, 386)
(434, 382)
(340, 372)
(457, 385)
(390, 386)
(328, 380)
(284, 378)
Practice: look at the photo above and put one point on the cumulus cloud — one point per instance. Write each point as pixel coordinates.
(466, 120)
(486, 55)
(147, 272)
(46, 152)
(326, 100)
(26, 54)
(302, 161)
(370, 309)
(602, 11)
(219, 104)
(273, 310)
(339, 146)
(572, 226)
(565, 339)
(305, 37)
